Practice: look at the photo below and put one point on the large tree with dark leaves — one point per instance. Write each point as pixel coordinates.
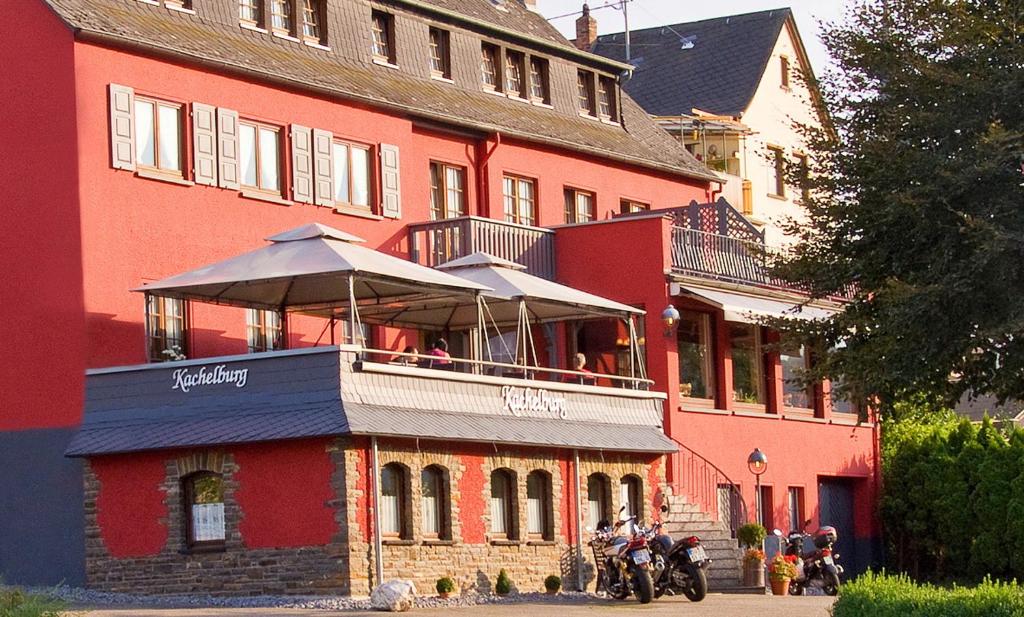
(918, 200)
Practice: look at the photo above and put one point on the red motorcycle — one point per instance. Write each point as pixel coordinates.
(623, 562)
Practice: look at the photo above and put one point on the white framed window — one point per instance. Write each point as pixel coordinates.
(159, 135)
(259, 153)
(434, 502)
(538, 505)
(166, 328)
(264, 330)
(204, 510)
(599, 506)
(502, 503)
(393, 505)
(352, 174)
(520, 200)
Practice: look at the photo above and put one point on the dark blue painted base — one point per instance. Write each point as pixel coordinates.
(42, 537)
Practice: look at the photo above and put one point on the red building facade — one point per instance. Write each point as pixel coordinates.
(95, 209)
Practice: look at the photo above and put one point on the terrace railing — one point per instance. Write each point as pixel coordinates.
(722, 258)
(436, 242)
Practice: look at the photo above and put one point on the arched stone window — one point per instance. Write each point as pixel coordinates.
(539, 515)
(631, 495)
(203, 493)
(435, 500)
(394, 502)
(599, 503)
(503, 504)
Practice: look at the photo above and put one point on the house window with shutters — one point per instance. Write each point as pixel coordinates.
(394, 502)
(314, 21)
(447, 191)
(606, 99)
(520, 199)
(282, 16)
(514, 83)
(250, 12)
(166, 328)
(382, 27)
(503, 505)
(585, 93)
(489, 67)
(259, 152)
(159, 136)
(203, 494)
(352, 174)
(540, 90)
(539, 515)
(440, 54)
(579, 206)
(264, 330)
(434, 506)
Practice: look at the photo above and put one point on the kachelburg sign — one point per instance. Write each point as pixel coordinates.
(184, 379)
(519, 400)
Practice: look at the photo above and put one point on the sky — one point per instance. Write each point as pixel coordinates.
(648, 13)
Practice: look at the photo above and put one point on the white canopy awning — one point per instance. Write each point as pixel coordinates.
(750, 309)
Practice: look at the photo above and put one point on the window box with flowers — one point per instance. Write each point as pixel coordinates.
(781, 571)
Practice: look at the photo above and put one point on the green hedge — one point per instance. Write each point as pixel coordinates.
(16, 603)
(882, 595)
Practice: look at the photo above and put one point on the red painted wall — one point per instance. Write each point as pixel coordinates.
(130, 508)
(472, 506)
(283, 493)
(41, 316)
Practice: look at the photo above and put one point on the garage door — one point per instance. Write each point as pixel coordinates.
(835, 499)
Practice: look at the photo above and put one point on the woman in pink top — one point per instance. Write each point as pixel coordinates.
(439, 353)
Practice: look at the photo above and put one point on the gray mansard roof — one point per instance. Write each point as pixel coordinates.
(212, 36)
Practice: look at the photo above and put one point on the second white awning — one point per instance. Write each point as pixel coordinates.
(749, 309)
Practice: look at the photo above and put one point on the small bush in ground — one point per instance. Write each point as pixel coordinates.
(445, 585)
(883, 595)
(504, 584)
(751, 535)
(16, 603)
(553, 583)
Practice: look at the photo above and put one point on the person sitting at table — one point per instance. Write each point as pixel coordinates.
(439, 356)
(586, 378)
(407, 360)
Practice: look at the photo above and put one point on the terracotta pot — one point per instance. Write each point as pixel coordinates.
(780, 587)
(753, 574)
(444, 595)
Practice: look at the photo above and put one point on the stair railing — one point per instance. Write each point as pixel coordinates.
(705, 485)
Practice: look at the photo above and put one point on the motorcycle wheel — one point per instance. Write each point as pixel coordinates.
(796, 589)
(831, 586)
(698, 585)
(644, 585)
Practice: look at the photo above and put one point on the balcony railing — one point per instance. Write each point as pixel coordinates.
(721, 258)
(436, 242)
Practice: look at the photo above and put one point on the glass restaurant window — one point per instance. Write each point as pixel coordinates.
(598, 503)
(264, 330)
(204, 510)
(440, 56)
(447, 191)
(794, 360)
(539, 89)
(579, 206)
(351, 174)
(489, 66)
(696, 355)
(538, 505)
(393, 501)
(260, 156)
(158, 135)
(433, 504)
(747, 370)
(165, 324)
(502, 504)
(520, 200)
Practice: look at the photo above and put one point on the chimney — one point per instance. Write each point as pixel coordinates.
(586, 30)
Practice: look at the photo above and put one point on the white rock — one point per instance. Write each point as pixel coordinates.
(394, 595)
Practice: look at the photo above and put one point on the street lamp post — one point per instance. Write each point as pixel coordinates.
(757, 463)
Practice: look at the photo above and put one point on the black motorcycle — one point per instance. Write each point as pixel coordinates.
(624, 563)
(819, 566)
(679, 567)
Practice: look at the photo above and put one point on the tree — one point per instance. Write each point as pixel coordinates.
(917, 201)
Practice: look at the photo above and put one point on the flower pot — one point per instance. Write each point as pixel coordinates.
(780, 587)
(753, 573)
(551, 592)
(444, 595)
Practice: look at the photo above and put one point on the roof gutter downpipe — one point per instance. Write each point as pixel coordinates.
(483, 198)
(579, 521)
(378, 543)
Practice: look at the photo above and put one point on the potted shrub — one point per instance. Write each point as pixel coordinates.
(503, 585)
(781, 571)
(445, 586)
(552, 584)
(752, 536)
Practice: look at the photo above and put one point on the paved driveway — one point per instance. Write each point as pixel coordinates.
(715, 605)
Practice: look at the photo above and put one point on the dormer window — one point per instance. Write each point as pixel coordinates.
(312, 21)
(539, 90)
(514, 74)
(489, 67)
(606, 98)
(383, 27)
(281, 13)
(585, 92)
(440, 54)
(250, 12)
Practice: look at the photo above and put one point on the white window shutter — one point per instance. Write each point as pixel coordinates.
(390, 194)
(122, 127)
(227, 147)
(302, 165)
(323, 167)
(204, 144)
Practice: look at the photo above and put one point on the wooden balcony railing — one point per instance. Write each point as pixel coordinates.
(436, 242)
(722, 258)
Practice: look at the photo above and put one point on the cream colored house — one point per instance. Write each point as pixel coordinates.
(733, 90)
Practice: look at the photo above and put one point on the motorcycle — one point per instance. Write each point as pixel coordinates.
(679, 567)
(817, 567)
(624, 563)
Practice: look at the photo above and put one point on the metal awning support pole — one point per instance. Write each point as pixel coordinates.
(634, 343)
(579, 520)
(378, 543)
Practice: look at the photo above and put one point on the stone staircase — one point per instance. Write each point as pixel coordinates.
(687, 519)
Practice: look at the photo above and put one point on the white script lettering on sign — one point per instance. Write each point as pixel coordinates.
(517, 400)
(184, 379)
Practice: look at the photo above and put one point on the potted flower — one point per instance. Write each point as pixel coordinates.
(752, 536)
(445, 586)
(781, 571)
(504, 584)
(552, 584)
